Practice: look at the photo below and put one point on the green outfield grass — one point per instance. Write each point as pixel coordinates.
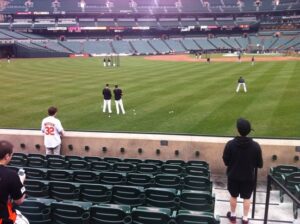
(165, 97)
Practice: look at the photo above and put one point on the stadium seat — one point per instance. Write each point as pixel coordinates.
(197, 163)
(197, 171)
(112, 159)
(18, 161)
(128, 195)
(150, 215)
(85, 176)
(192, 217)
(34, 155)
(110, 214)
(290, 181)
(147, 168)
(92, 158)
(123, 167)
(67, 212)
(69, 158)
(112, 178)
(64, 190)
(295, 207)
(197, 183)
(79, 165)
(35, 173)
(55, 157)
(53, 163)
(37, 188)
(162, 197)
(202, 201)
(96, 193)
(172, 169)
(60, 175)
(36, 162)
(133, 161)
(37, 210)
(20, 154)
(154, 161)
(280, 170)
(140, 179)
(168, 180)
(101, 166)
(176, 162)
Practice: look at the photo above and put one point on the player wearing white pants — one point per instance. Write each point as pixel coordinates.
(118, 99)
(107, 99)
(241, 82)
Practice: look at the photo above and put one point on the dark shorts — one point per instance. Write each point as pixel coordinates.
(243, 189)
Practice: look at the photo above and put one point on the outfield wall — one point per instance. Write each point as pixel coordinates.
(182, 147)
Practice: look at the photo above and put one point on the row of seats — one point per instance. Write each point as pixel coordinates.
(118, 194)
(115, 178)
(48, 211)
(289, 176)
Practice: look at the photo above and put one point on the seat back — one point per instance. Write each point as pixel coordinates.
(37, 188)
(112, 178)
(64, 190)
(199, 171)
(128, 195)
(192, 217)
(176, 162)
(140, 179)
(197, 201)
(36, 162)
(101, 166)
(79, 165)
(112, 159)
(172, 169)
(60, 175)
(35, 173)
(168, 180)
(147, 168)
(85, 176)
(197, 183)
(96, 193)
(108, 213)
(54, 163)
(150, 215)
(162, 197)
(123, 167)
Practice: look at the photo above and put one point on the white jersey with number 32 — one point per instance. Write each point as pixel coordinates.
(51, 127)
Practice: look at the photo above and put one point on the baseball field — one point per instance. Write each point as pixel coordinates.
(185, 96)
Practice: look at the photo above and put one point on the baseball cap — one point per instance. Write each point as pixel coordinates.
(243, 126)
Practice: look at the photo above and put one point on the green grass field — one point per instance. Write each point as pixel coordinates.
(201, 96)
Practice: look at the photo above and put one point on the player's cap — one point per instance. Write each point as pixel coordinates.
(243, 126)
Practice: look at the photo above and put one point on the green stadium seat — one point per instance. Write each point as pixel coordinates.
(100, 166)
(154, 161)
(133, 161)
(18, 161)
(128, 195)
(37, 210)
(60, 175)
(147, 168)
(69, 158)
(92, 158)
(140, 179)
(112, 159)
(290, 181)
(295, 207)
(202, 201)
(151, 215)
(37, 188)
(197, 163)
(20, 154)
(68, 212)
(162, 197)
(36, 162)
(53, 163)
(280, 170)
(85, 176)
(112, 178)
(123, 167)
(79, 165)
(176, 162)
(172, 169)
(197, 183)
(168, 180)
(192, 217)
(110, 214)
(199, 171)
(35, 155)
(64, 190)
(35, 173)
(55, 157)
(96, 193)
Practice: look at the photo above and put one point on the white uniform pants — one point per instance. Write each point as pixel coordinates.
(119, 103)
(21, 219)
(53, 151)
(107, 103)
(241, 84)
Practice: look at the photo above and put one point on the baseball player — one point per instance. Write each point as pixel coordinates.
(106, 99)
(241, 82)
(118, 99)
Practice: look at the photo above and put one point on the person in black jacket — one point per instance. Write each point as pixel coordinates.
(242, 156)
(241, 82)
(106, 98)
(118, 99)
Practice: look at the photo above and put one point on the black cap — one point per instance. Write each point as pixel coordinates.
(243, 126)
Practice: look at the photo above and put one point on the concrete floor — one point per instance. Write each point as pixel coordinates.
(278, 212)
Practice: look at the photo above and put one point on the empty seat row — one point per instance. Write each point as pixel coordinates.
(125, 167)
(113, 159)
(133, 179)
(49, 211)
(122, 194)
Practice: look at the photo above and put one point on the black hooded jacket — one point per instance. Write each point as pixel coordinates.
(241, 156)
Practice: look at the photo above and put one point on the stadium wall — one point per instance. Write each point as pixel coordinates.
(210, 149)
